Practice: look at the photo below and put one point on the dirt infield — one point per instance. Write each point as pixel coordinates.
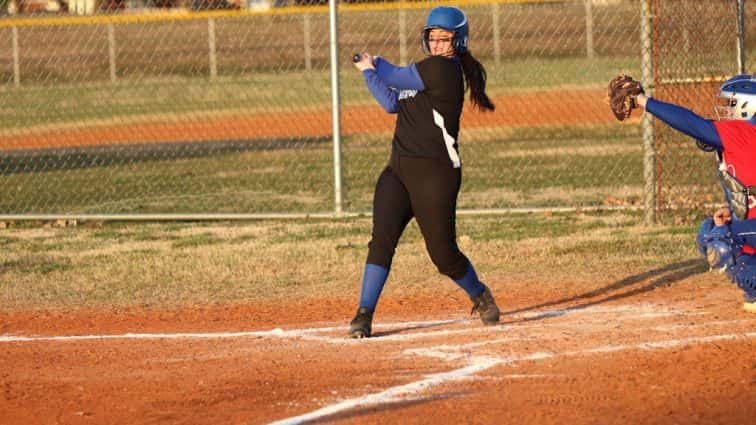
(543, 108)
(646, 349)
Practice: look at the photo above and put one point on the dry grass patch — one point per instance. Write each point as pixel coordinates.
(198, 263)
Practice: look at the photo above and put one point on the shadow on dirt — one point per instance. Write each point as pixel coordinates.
(663, 276)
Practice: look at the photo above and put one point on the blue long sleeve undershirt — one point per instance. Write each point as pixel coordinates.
(387, 97)
(744, 231)
(399, 77)
(685, 121)
(387, 80)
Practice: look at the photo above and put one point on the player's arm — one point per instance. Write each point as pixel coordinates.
(683, 120)
(399, 77)
(744, 231)
(386, 97)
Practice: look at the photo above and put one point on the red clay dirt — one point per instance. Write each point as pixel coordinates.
(542, 108)
(642, 352)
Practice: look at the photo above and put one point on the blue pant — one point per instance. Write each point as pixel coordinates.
(741, 269)
(743, 273)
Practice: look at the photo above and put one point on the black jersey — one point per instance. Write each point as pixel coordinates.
(428, 121)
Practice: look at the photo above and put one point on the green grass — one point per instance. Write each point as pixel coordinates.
(527, 167)
(36, 264)
(524, 167)
(197, 240)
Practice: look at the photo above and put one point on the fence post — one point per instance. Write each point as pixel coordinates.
(307, 50)
(647, 124)
(496, 33)
(402, 36)
(589, 28)
(211, 46)
(741, 37)
(16, 60)
(112, 52)
(335, 107)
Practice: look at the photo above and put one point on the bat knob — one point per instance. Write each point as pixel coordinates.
(357, 57)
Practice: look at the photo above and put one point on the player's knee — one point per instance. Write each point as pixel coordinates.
(453, 266)
(380, 254)
(744, 275)
(719, 255)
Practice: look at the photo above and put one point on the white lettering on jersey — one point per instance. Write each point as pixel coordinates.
(439, 120)
(751, 201)
(406, 94)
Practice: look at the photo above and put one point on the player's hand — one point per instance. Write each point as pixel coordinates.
(722, 216)
(366, 62)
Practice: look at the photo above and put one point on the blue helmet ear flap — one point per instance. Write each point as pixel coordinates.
(460, 43)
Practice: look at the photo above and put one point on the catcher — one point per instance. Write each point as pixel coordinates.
(728, 239)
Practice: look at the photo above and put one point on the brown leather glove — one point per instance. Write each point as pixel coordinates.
(620, 95)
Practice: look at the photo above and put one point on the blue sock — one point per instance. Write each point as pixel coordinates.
(372, 285)
(470, 282)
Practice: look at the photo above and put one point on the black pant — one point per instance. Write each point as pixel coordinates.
(426, 189)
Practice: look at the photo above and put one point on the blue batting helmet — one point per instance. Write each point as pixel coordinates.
(450, 19)
(739, 93)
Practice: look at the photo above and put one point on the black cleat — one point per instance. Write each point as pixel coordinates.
(485, 305)
(361, 325)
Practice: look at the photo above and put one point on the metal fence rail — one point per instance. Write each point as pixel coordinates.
(228, 113)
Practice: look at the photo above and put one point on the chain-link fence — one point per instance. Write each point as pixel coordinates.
(696, 48)
(228, 110)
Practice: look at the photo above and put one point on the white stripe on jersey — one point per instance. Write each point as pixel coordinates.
(439, 120)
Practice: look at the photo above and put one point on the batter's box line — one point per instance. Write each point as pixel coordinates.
(478, 364)
(312, 334)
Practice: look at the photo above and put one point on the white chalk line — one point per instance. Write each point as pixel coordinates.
(479, 364)
(667, 328)
(302, 334)
(307, 333)
(398, 393)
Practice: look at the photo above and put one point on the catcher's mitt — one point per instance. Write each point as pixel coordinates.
(621, 95)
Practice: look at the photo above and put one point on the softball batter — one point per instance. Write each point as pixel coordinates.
(423, 176)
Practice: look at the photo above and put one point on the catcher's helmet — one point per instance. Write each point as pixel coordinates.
(450, 19)
(739, 95)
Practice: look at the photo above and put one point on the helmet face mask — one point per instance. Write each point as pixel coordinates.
(450, 19)
(737, 99)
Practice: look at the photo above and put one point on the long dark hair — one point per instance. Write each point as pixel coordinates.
(475, 80)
